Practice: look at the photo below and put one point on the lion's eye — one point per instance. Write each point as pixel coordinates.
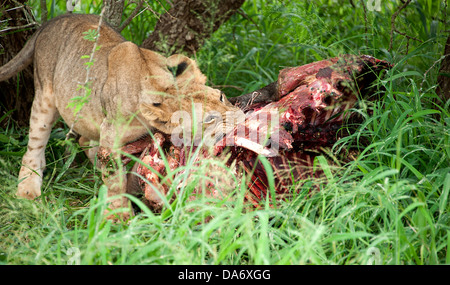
(156, 104)
(209, 119)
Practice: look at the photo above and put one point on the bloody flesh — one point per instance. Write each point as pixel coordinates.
(310, 103)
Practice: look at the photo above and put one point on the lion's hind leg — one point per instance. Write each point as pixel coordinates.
(43, 115)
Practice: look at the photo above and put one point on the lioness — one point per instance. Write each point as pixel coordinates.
(132, 90)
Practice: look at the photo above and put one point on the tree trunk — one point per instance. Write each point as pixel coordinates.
(113, 12)
(444, 74)
(16, 93)
(188, 23)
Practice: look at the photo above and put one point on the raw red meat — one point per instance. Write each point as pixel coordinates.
(289, 122)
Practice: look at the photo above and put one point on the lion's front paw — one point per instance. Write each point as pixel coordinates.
(30, 187)
(122, 215)
(118, 217)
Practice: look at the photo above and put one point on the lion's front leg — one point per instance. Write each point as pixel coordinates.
(113, 172)
(116, 182)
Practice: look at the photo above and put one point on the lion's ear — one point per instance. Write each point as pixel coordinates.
(179, 63)
(178, 69)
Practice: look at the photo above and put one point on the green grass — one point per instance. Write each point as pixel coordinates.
(390, 205)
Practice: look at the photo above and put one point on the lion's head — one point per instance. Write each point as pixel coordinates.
(184, 101)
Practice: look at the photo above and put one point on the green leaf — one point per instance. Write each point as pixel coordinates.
(4, 138)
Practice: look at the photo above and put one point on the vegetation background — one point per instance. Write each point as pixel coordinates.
(389, 205)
